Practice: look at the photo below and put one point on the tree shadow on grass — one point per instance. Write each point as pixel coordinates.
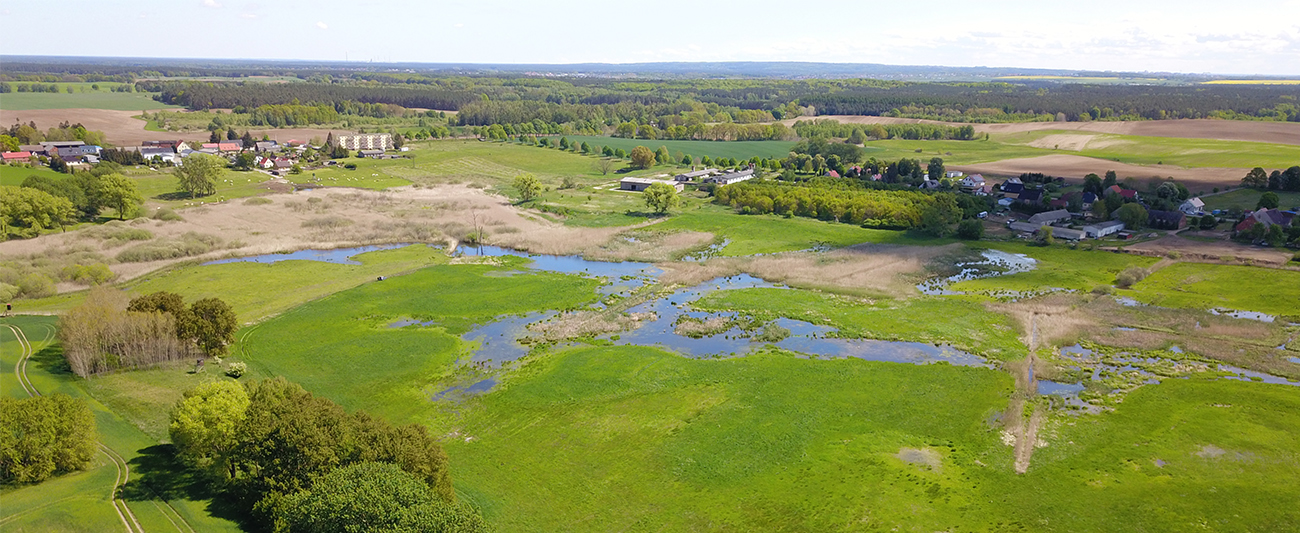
(173, 196)
(158, 474)
(51, 360)
(645, 214)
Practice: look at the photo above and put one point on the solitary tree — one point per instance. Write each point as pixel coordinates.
(198, 174)
(528, 187)
(970, 229)
(214, 325)
(661, 197)
(857, 137)
(936, 169)
(1268, 200)
(1256, 178)
(604, 165)
(118, 192)
(1092, 184)
(1045, 237)
(662, 157)
(642, 157)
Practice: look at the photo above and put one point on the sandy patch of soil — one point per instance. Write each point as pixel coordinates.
(1071, 142)
(578, 324)
(1227, 130)
(337, 217)
(123, 130)
(862, 269)
(1076, 166)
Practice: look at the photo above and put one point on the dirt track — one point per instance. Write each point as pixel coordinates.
(1075, 166)
(123, 130)
(1227, 130)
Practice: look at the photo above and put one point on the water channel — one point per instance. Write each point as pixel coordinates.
(499, 340)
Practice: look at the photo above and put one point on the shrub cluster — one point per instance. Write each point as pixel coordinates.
(44, 435)
(189, 244)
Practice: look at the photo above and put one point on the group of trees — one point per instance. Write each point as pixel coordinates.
(859, 133)
(19, 134)
(1278, 180)
(301, 462)
(43, 203)
(107, 332)
(44, 435)
(840, 201)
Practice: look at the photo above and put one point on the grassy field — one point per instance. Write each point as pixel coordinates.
(740, 150)
(13, 176)
(1202, 286)
(80, 501)
(1057, 267)
(82, 97)
(1248, 199)
(936, 320)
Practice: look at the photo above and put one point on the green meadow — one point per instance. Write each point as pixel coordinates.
(1248, 200)
(1056, 267)
(82, 97)
(1242, 288)
(1144, 150)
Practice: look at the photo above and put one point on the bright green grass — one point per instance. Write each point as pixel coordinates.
(257, 290)
(1203, 286)
(1248, 200)
(13, 176)
(739, 150)
(1058, 267)
(630, 438)
(1144, 150)
(101, 99)
(952, 152)
(80, 501)
(1100, 473)
(963, 324)
(633, 438)
(760, 234)
(342, 346)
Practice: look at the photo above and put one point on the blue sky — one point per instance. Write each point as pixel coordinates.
(1242, 37)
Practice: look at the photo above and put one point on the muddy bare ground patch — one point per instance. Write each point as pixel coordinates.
(925, 457)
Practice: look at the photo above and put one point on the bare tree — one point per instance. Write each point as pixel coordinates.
(604, 165)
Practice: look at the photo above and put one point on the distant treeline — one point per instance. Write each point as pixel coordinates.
(208, 95)
(832, 128)
(1003, 102)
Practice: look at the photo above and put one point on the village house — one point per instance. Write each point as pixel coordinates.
(1102, 229)
(1031, 196)
(734, 177)
(373, 154)
(694, 174)
(971, 182)
(10, 157)
(1050, 217)
(1192, 207)
(1009, 187)
(266, 146)
(1166, 219)
(1267, 217)
(1068, 234)
(640, 184)
(954, 174)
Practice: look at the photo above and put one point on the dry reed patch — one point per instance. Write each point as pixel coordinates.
(648, 246)
(1049, 319)
(862, 269)
(696, 328)
(577, 324)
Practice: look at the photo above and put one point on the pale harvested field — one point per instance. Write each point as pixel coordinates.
(1228, 130)
(123, 130)
(441, 215)
(1227, 251)
(1075, 166)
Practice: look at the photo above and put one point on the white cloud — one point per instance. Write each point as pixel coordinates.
(322, 25)
(248, 16)
(460, 25)
(211, 3)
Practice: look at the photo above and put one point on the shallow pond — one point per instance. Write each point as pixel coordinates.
(995, 263)
(341, 256)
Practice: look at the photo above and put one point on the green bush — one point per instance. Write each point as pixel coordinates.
(44, 435)
(236, 370)
(970, 229)
(95, 274)
(1102, 290)
(258, 200)
(166, 215)
(1130, 276)
(35, 285)
(329, 222)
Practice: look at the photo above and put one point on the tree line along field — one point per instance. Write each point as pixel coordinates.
(597, 437)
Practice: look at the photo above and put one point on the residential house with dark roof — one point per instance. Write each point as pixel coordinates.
(1031, 196)
(1050, 217)
(1012, 188)
(1267, 217)
(1166, 219)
